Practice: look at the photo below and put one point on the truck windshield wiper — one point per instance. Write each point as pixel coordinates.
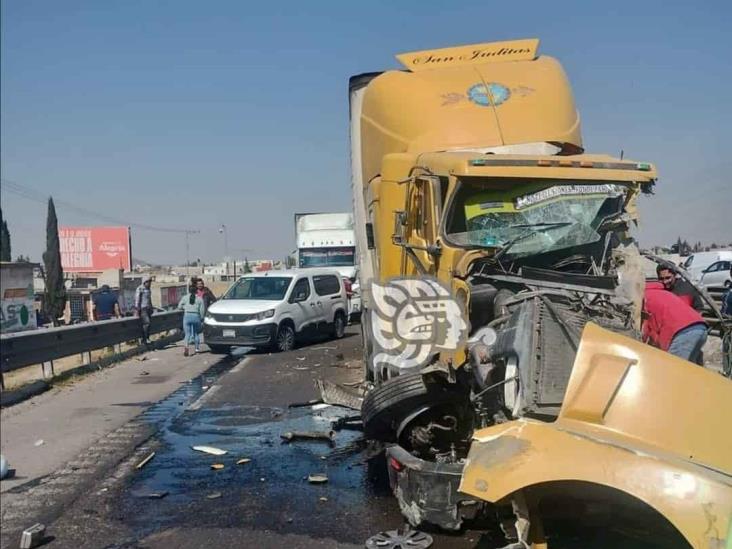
(534, 228)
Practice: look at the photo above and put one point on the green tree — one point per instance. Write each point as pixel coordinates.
(54, 300)
(5, 252)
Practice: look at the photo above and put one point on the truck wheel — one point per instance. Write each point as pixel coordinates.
(385, 406)
(220, 349)
(285, 339)
(339, 326)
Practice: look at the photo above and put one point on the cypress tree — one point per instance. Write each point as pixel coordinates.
(55, 295)
(5, 252)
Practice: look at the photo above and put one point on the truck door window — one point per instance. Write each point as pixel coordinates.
(424, 202)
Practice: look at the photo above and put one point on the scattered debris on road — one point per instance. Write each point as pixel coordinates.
(156, 495)
(217, 466)
(321, 406)
(317, 478)
(145, 461)
(304, 404)
(323, 499)
(33, 536)
(210, 450)
(331, 393)
(242, 461)
(39, 442)
(328, 436)
(214, 495)
(392, 539)
(347, 422)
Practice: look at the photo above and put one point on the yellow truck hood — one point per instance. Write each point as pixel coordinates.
(634, 419)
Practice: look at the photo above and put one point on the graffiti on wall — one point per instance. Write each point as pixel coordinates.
(17, 311)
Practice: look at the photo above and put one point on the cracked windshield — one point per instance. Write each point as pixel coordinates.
(532, 217)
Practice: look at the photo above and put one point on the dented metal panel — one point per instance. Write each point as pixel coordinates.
(634, 419)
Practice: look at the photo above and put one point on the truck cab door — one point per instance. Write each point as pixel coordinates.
(422, 217)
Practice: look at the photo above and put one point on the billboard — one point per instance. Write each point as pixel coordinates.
(90, 249)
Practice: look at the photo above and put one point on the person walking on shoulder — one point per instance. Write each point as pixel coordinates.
(144, 307)
(193, 311)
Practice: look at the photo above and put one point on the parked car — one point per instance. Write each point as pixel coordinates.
(717, 275)
(698, 262)
(275, 308)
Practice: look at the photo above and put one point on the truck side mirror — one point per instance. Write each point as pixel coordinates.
(400, 222)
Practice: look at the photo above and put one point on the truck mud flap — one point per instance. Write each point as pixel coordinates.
(428, 491)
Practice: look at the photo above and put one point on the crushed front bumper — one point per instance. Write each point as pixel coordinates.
(428, 491)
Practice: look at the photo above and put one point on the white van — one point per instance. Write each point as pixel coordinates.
(274, 308)
(697, 262)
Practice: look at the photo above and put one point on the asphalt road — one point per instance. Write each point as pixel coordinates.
(239, 404)
(105, 497)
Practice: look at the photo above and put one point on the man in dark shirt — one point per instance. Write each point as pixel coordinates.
(106, 305)
(679, 287)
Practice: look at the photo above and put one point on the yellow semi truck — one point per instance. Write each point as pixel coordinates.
(501, 293)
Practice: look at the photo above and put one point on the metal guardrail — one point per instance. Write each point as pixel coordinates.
(23, 349)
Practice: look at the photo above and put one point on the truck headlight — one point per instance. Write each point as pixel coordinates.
(265, 314)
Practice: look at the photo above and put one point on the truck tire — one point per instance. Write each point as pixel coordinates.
(385, 406)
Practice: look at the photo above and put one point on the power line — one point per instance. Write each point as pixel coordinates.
(37, 196)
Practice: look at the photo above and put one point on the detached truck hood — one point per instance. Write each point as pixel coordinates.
(634, 419)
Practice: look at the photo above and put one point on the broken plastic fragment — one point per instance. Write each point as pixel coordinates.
(145, 461)
(213, 495)
(217, 466)
(317, 478)
(242, 461)
(210, 450)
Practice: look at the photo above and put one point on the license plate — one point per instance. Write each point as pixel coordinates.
(228, 333)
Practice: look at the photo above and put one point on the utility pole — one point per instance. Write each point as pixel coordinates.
(222, 230)
(188, 261)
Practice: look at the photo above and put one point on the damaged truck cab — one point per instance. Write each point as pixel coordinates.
(468, 169)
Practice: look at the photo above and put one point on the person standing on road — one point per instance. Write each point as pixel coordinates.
(144, 307)
(193, 311)
(106, 305)
(348, 286)
(679, 287)
(204, 293)
(669, 323)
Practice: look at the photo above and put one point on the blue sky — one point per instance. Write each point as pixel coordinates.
(197, 114)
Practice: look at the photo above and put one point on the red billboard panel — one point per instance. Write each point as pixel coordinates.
(85, 249)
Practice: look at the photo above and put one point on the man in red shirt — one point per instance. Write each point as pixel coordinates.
(671, 324)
